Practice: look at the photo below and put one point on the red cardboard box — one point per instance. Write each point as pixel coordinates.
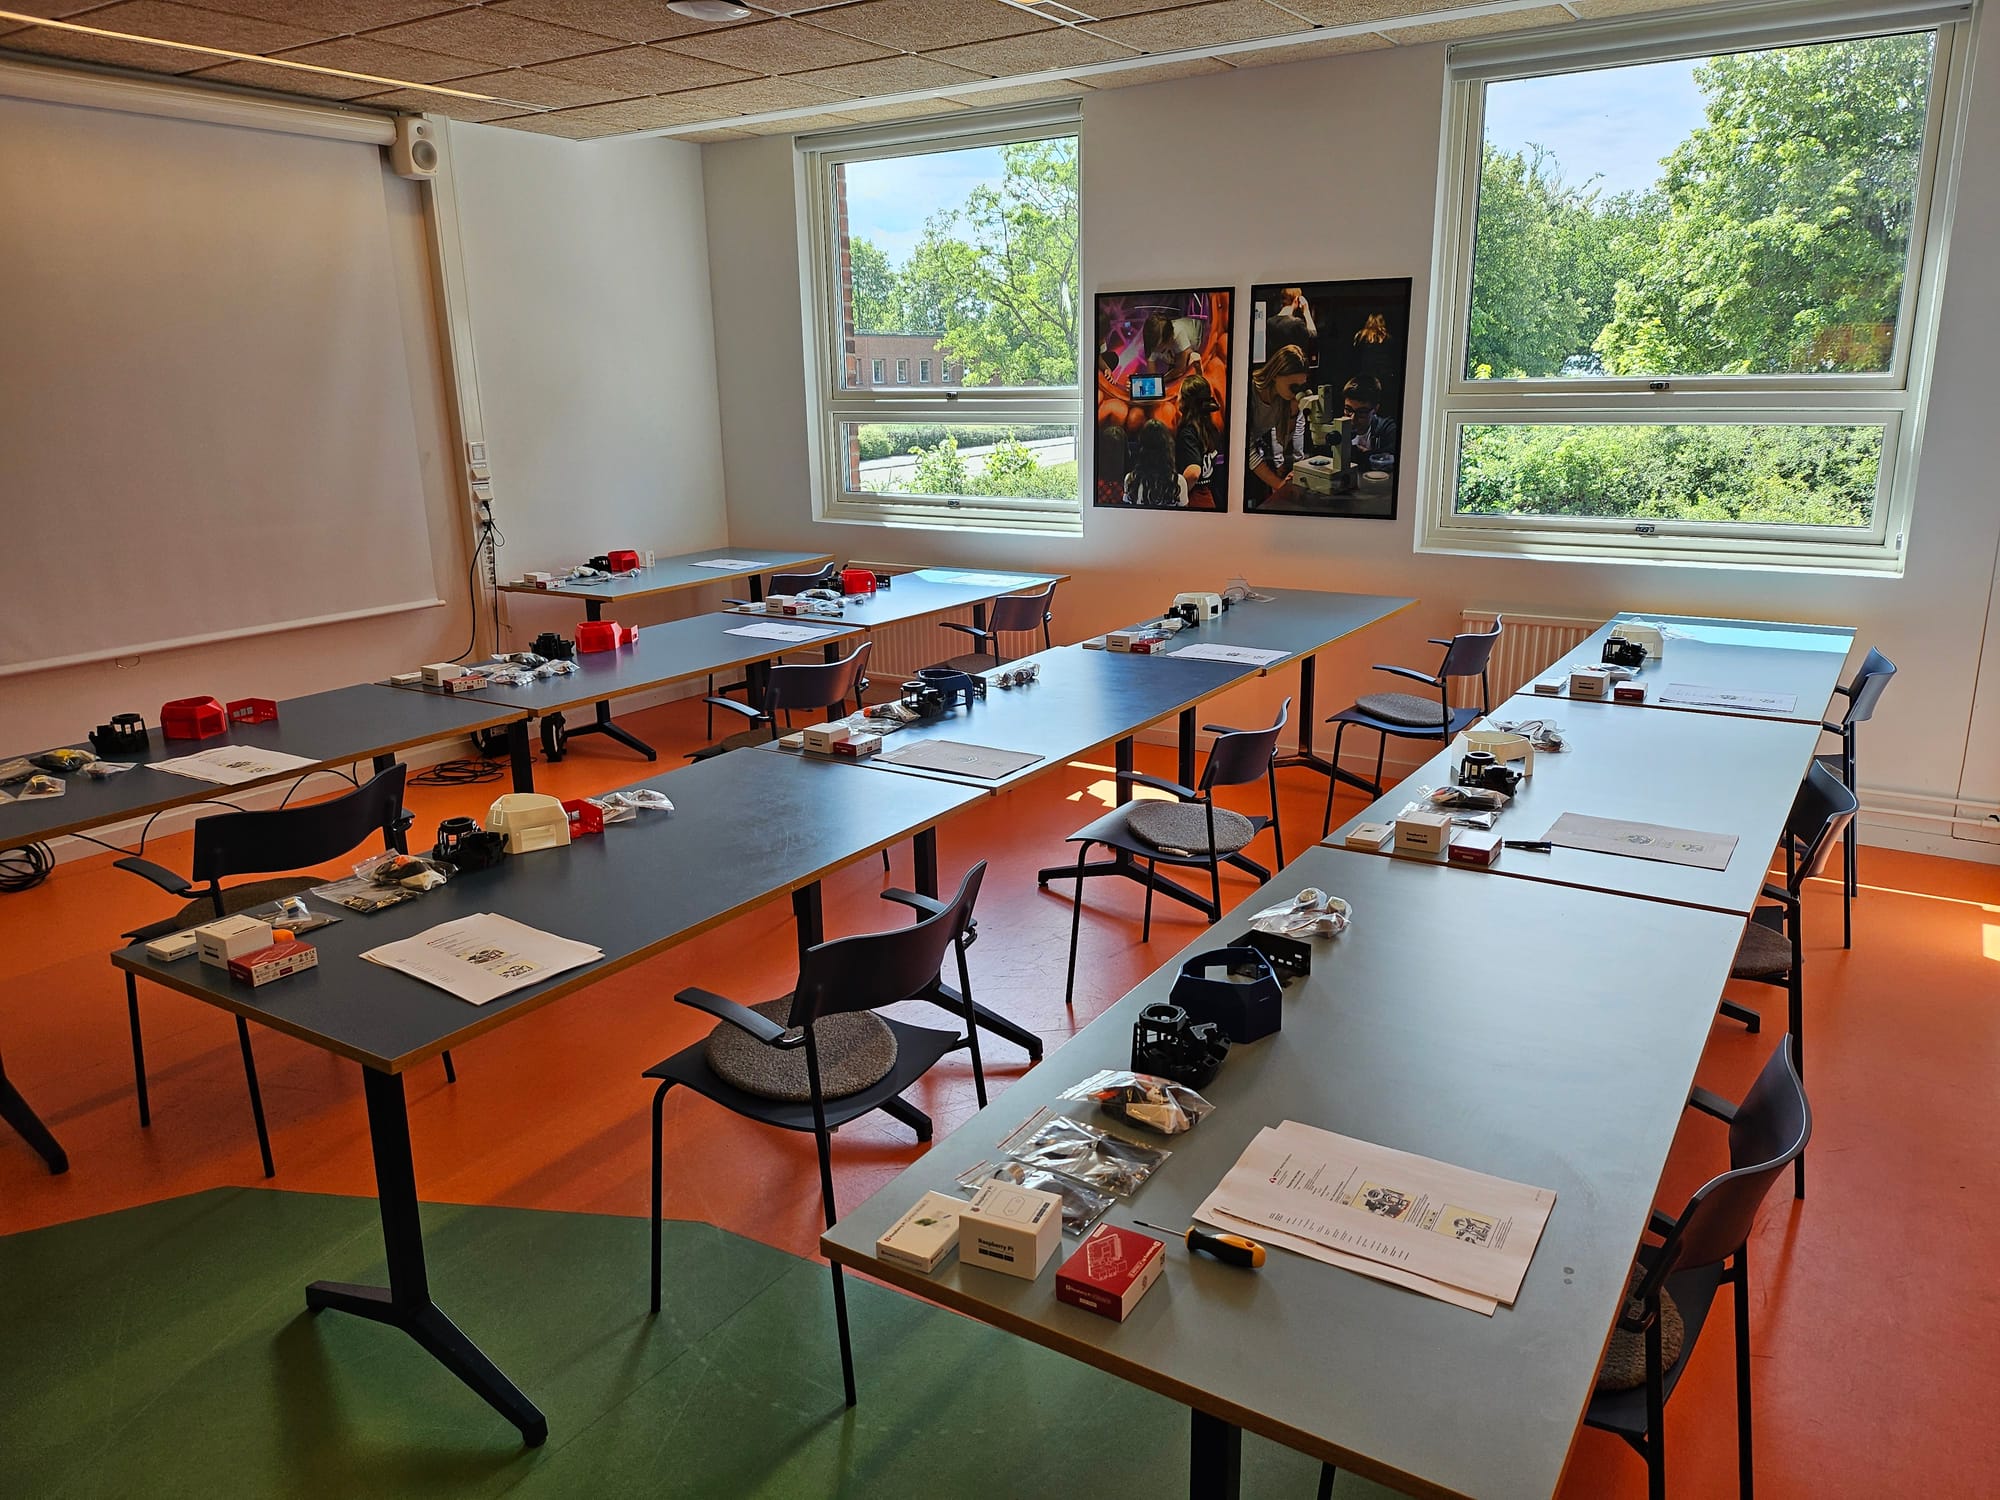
(1110, 1271)
(274, 962)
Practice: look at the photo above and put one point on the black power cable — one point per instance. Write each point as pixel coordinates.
(26, 866)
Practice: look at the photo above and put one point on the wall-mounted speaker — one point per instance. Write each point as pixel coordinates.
(415, 151)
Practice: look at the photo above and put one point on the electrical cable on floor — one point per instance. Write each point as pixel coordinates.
(459, 773)
(26, 866)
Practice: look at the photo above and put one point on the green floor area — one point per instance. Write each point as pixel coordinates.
(166, 1351)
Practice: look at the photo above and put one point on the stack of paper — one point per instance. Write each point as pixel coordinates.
(774, 632)
(483, 957)
(233, 765)
(1693, 695)
(1460, 1236)
(1249, 656)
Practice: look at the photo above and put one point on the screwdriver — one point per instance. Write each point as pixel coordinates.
(1230, 1249)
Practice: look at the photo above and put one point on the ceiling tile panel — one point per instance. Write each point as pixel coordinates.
(922, 25)
(617, 118)
(754, 97)
(333, 17)
(359, 54)
(891, 75)
(1210, 25)
(1306, 49)
(1025, 93)
(621, 20)
(416, 101)
(110, 51)
(204, 28)
(916, 109)
(491, 36)
(287, 81)
(1064, 47)
(643, 70)
(1193, 67)
(773, 47)
(1453, 31)
(1361, 12)
(532, 86)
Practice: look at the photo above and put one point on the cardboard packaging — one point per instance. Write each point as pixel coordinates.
(1013, 1230)
(1110, 1271)
(174, 945)
(1474, 846)
(274, 962)
(1370, 838)
(1423, 832)
(1628, 692)
(823, 737)
(230, 938)
(924, 1236)
(1550, 687)
(1589, 682)
(858, 746)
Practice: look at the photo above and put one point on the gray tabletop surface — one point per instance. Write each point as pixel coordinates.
(1714, 773)
(1297, 622)
(671, 574)
(745, 827)
(1746, 656)
(1082, 699)
(1479, 1033)
(672, 651)
(918, 594)
(332, 728)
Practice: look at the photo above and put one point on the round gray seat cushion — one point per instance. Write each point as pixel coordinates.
(856, 1051)
(1624, 1367)
(1402, 708)
(1184, 825)
(1761, 952)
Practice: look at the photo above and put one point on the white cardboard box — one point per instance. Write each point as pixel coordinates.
(823, 737)
(1423, 832)
(924, 1236)
(231, 937)
(1009, 1229)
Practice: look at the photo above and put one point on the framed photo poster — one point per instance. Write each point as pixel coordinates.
(1323, 427)
(1162, 416)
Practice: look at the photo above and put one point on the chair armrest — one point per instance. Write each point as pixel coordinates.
(739, 601)
(1782, 896)
(734, 707)
(1711, 1103)
(742, 1017)
(930, 906)
(972, 630)
(1436, 642)
(160, 875)
(151, 930)
(1159, 784)
(1410, 672)
(1220, 729)
(1662, 1224)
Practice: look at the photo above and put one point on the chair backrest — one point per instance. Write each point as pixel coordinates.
(815, 684)
(292, 838)
(882, 968)
(1243, 755)
(1866, 689)
(1819, 816)
(1467, 655)
(1022, 611)
(798, 583)
(1769, 1131)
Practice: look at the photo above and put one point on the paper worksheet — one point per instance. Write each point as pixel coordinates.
(733, 564)
(1428, 1219)
(1673, 846)
(775, 632)
(480, 958)
(1690, 695)
(982, 580)
(233, 765)
(1249, 656)
(980, 761)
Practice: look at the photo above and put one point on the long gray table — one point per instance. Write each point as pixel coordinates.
(1743, 656)
(1300, 623)
(1479, 1033)
(923, 592)
(1716, 773)
(671, 575)
(745, 828)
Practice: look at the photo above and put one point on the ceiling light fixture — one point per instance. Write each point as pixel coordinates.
(709, 10)
(272, 62)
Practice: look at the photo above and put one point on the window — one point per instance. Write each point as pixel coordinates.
(1687, 283)
(877, 375)
(962, 241)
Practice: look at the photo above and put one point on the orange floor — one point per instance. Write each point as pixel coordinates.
(1877, 1368)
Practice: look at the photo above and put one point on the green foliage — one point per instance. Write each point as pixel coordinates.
(883, 440)
(1010, 470)
(1769, 474)
(876, 298)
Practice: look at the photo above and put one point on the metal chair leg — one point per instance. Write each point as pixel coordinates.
(659, 1099)
(1327, 1474)
(1277, 833)
(256, 1095)
(1332, 782)
(450, 1070)
(1076, 926)
(1146, 923)
(138, 1050)
(1745, 1478)
(839, 1285)
(1795, 987)
(1656, 1415)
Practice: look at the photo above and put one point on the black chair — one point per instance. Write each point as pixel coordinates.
(1677, 1279)
(263, 843)
(1190, 832)
(1412, 716)
(1862, 694)
(1772, 948)
(1011, 614)
(854, 1060)
(790, 686)
(827, 577)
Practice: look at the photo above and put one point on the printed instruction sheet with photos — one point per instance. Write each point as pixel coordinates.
(480, 958)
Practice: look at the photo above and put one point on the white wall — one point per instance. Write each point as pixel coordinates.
(1143, 147)
(586, 272)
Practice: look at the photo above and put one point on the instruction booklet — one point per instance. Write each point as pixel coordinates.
(480, 958)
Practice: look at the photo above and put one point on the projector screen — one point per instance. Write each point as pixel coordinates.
(205, 406)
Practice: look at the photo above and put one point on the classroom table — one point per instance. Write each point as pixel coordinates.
(1740, 656)
(1300, 623)
(1715, 773)
(1479, 1033)
(923, 592)
(671, 652)
(633, 891)
(671, 575)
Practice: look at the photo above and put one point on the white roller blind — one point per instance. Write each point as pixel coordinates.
(205, 419)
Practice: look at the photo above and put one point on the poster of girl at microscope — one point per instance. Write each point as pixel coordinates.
(1324, 424)
(1162, 414)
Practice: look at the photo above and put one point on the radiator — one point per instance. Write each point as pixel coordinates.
(1528, 646)
(905, 648)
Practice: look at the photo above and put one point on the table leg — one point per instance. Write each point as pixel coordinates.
(406, 1302)
(1305, 755)
(16, 1112)
(522, 761)
(756, 588)
(1184, 769)
(1215, 1458)
(924, 851)
(593, 609)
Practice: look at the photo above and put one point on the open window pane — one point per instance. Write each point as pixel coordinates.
(961, 461)
(965, 259)
(1762, 474)
(1749, 213)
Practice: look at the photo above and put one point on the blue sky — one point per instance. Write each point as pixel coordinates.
(1615, 122)
(888, 201)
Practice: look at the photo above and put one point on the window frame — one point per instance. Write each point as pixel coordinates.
(902, 372)
(878, 370)
(832, 406)
(923, 372)
(1895, 398)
